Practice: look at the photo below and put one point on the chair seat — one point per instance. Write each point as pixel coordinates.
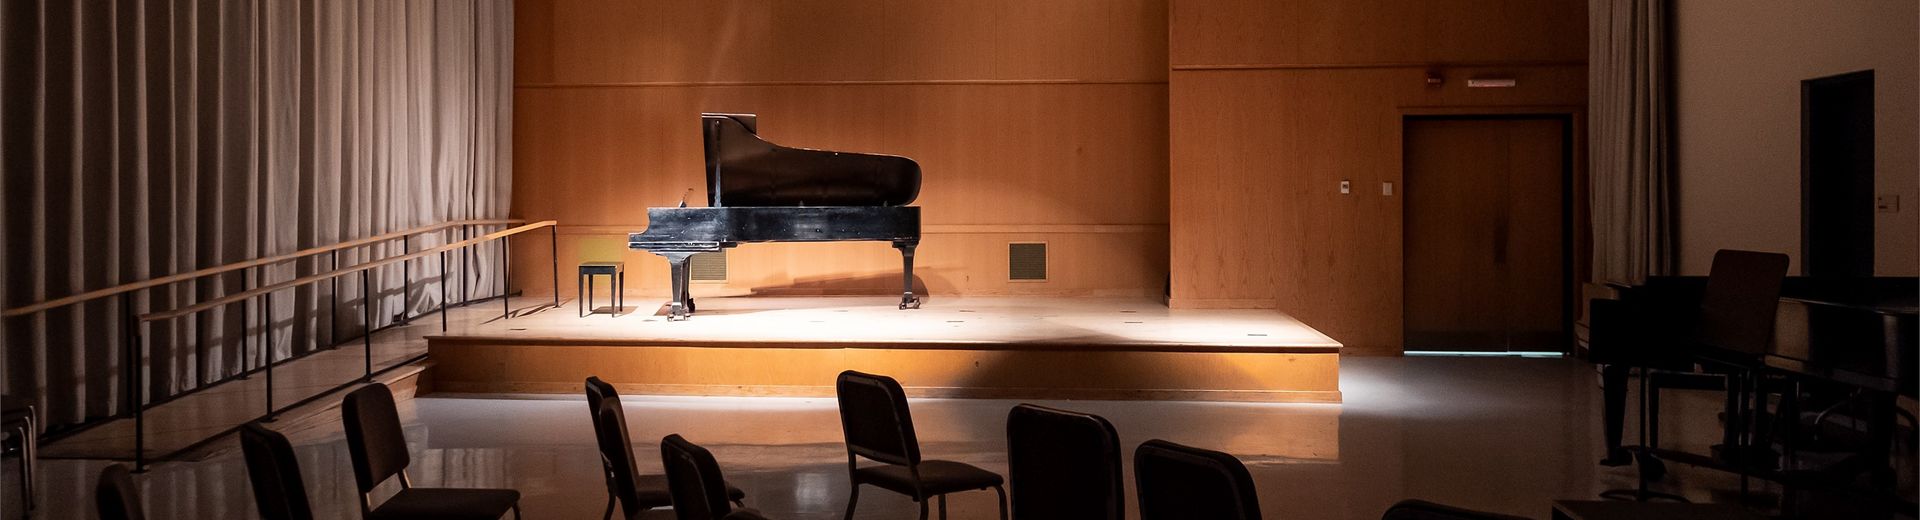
(937, 477)
(653, 493)
(447, 504)
(744, 514)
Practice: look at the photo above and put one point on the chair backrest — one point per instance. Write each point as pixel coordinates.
(116, 497)
(1181, 482)
(1064, 465)
(616, 455)
(1741, 301)
(598, 394)
(278, 489)
(693, 478)
(1424, 510)
(374, 438)
(874, 417)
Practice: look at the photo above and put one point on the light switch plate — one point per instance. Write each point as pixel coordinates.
(1346, 187)
(1887, 203)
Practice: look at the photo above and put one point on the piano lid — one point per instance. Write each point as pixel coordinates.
(745, 170)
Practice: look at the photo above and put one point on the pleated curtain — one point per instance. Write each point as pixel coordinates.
(1631, 144)
(141, 138)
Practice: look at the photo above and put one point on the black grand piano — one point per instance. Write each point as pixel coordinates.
(762, 192)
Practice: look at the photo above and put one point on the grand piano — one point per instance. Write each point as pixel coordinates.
(1840, 354)
(758, 191)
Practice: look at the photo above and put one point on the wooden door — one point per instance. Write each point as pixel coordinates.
(1485, 250)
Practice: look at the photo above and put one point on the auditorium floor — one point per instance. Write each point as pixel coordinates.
(1504, 434)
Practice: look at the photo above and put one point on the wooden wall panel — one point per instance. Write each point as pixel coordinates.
(1351, 32)
(1032, 121)
(1272, 104)
(693, 41)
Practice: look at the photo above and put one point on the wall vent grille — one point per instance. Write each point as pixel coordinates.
(708, 267)
(1027, 261)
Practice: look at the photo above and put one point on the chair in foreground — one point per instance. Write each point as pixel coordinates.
(1178, 482)
(379, 451)
(693, 477)
(1424, 510)
(874, 416)
(18, 428)
(635, 492)
(278, 489)
(116, 497)
(1064, 465)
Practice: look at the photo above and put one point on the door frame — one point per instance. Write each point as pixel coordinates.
(1576, 208)
(1806, 161)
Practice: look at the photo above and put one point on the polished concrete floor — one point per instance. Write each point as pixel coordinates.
(1502, 434)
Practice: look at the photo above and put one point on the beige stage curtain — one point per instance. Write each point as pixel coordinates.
(140, 138)
(1631, 169)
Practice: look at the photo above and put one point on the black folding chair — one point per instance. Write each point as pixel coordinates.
(878, 427)
(379, 451)
(635, 492)
(1178, 482)
(1424, 510)
(116, 497)
(278, 489)
(1064, 465)
(693, 477)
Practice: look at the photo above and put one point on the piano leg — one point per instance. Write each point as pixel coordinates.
(678, 310)
(907, 299)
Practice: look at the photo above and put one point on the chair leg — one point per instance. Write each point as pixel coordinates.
(1003, 501)
(943, 507)
(853, 498)
(609, 514)
(923, 509)
(516, 512)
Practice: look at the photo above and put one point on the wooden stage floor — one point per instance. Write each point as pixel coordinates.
(1094, 348)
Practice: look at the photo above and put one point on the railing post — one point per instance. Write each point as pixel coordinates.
(555, 229)
(366, 302)
(506, 307)
(134, 384)
(406, 279)
(466, 265)
(333, 304)
(266, 347)
(246, 322)
(443, 292)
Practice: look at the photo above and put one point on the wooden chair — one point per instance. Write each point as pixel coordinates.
(20, 426)
(379, 451)
(693, 478)
(278, 490)
(635, 492)
(1064, 465)
(116, 497)
(1178, 482)
(1424, 510)
(878, 427)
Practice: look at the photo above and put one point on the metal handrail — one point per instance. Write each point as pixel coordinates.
(135, 337)
(236, 266)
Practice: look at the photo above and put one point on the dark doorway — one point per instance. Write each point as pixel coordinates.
(1836, 176)
(1487, 232)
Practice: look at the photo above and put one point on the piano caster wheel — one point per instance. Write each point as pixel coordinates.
(909, 302)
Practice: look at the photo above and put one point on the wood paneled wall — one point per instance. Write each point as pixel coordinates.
(1272, 104)
(1032, 121)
